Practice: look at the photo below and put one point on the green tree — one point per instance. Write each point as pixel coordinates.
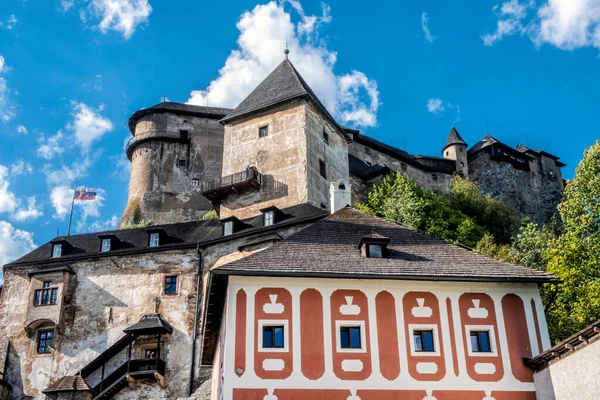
(574, 256)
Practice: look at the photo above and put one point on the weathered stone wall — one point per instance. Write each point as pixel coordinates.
(160, 191)
(572, 377)
(280, 157)
(429, 180)
(534, 193)
(458, 153)
(334, 154)
(111, 294)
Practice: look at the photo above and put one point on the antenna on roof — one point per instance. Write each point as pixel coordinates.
(287, 50)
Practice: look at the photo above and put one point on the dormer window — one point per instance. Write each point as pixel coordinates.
(106, 245)
(269, 218)
(57, 250)
(375, 251)
(228, 228)
(373, 246)
(154, 239)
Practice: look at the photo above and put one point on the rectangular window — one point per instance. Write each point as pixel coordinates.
(325, 136)
(105, 245)
(195, 182)
(434, 177)
(228, 228)
(263, 131)
(462, 164)
(423, 341)
(273, 337)
(154, 239)
(44, 341)
(171, 285)
(150, 353)
(181, 163)
(46, 296)
(375, 251)
(184, 134)
(480, 342)
(323, 169)
(350, 337)
(56, 250)
(269, 218)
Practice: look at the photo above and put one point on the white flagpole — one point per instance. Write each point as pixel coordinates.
(72, 204)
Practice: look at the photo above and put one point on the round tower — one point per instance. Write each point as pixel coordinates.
(174, 151)
(456, 149)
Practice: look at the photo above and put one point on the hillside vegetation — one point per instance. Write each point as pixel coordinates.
(568, 246)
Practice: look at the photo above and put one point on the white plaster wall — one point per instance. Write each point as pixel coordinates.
(371, 288)
(573, 377)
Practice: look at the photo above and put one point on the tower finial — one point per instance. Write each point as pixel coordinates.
(287, 50)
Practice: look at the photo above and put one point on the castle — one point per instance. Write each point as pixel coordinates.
(180, 152)
(291, 293)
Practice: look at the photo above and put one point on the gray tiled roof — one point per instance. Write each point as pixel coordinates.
(454, 138)
(329, 248)
(68, 384)
(283, 84)
(149, 324)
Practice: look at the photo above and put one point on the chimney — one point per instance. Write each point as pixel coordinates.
(340, 195)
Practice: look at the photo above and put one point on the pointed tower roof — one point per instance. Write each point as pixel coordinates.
(454, 138)
(283, 84)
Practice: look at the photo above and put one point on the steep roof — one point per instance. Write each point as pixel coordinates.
(180, 109)
(282, 85)
(150, 324)
(184, 235)
(68, 384)
(329, 248)
(454, 138)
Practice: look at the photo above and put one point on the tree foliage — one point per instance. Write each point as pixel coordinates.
(464, 216)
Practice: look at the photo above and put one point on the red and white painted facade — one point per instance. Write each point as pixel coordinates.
(312, 365)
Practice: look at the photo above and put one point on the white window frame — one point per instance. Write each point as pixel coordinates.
(102, 247)
(267, 128)
(226, 231)
(286, 335)
(269, 218)
(57, 250)
(152, 242)
(350, 324)
(493, 344)
(436, 340)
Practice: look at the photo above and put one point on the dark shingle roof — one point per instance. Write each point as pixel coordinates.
(282, 85)
(526, 150)
(173, 236)
(150, 324)
(180, 109)
(364, 171)
(68, 384)
(328, 248)
(454, 138)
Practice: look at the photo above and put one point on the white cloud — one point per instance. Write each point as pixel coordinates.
(435, 106)
(20, 167)
(425, 27)
(8, 200)
(61, 197)
(66, 4)
(13, 243)
(122, 165)
(51, 147)
(122, 16)
(28, 213)
(510, 17)
(88, 125)
(99, 226)
(6, 108)
(265, 29)
(566, 24)
(21, 129)
(2, 64)
(10, 22)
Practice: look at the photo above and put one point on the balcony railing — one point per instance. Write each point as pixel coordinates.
(220, 188)
(136, 368)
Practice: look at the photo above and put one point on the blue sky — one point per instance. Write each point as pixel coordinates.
(72, 72)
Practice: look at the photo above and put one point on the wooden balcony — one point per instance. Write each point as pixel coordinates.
(220, 188)
(128, 373)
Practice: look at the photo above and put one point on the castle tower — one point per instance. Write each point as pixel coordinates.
(174, 151)
(281, 148)
(456, 149)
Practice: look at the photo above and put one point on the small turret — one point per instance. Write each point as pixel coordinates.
(456, 149)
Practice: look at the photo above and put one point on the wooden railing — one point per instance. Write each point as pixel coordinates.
(131, 367)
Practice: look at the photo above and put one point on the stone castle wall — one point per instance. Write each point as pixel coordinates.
(161, 191)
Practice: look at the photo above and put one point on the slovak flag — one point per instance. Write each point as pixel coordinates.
(85, 194)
